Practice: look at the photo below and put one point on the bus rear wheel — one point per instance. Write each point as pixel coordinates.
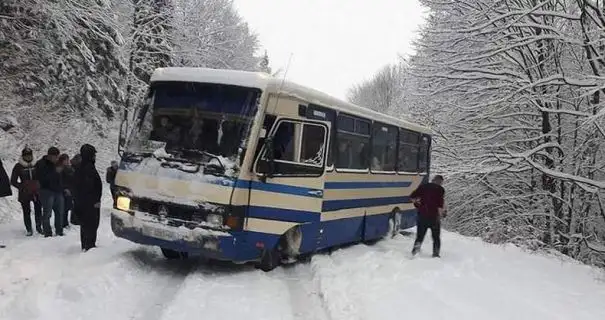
(174, 255)
(394, 225)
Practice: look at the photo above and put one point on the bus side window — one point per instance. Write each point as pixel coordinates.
(353, 139)
(408, 151)
(298, 149)
(384, 142)
(423, 154)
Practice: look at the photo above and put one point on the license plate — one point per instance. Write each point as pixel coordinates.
(158, 233)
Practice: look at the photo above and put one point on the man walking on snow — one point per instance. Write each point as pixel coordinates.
(51, 191)
(24, 178)
(88, 188)
(429, 199)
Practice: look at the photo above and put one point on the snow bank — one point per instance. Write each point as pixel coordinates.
(473, 280)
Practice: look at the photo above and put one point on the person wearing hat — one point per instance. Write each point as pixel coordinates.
(429, 200)
(25, 179)
(88, 190)
(49, 173)
(110, 178)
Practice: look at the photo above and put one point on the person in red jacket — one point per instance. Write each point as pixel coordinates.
(429, 200)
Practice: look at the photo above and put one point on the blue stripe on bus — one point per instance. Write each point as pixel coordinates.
(333, 205)
(282, 214)
(366, 185)
(287, 189)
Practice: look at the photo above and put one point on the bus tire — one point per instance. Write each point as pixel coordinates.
(174, 255)
(394, 225)
(270, 259)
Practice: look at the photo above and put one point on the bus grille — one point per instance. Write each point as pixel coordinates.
(174, 211)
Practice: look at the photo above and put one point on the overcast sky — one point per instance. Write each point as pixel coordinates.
(334, 43)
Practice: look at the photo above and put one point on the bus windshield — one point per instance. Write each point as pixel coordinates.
(192, 119)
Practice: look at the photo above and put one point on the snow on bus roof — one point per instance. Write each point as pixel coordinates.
(264, 81)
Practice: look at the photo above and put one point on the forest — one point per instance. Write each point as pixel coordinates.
(515, 93)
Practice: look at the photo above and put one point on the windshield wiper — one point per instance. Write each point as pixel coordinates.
(130, 156)
(180, 164)
(209, 155)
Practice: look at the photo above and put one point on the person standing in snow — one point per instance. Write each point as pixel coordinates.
(68, 176)
(51, 191)
(75, 164)
(89, 188)
(24, 178)
(429, 199)
(110, 178)
(5, 186)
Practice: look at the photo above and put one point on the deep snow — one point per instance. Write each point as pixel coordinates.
(51, 279)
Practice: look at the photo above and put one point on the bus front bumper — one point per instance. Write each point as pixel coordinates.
(140, 229)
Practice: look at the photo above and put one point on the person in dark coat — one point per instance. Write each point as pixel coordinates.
(429, 200)
(89, 188)
(75, 165)
(68, 177)
(110, 178)
(25, 179)
(51, 191)
(5, 186)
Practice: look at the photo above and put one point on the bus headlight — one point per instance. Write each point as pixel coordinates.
(215, 219)
(123, 203)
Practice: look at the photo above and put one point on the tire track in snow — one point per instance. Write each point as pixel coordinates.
(167, 284)
(306, 298)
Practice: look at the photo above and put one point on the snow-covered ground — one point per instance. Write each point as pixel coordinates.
(51, 279)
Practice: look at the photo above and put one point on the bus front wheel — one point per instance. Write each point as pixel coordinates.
(270, 259)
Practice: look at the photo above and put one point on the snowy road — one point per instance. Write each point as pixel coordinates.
(51, 279)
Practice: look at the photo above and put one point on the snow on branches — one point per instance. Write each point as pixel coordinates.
(514, 91)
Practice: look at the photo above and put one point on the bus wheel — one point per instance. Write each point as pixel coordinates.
(271, 259)
(174, 255)
(394, 225)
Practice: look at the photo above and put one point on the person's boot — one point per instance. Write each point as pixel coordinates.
(436, 252)
(416, 248)
(29, 233)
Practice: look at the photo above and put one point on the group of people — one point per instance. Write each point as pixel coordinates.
(60, 185)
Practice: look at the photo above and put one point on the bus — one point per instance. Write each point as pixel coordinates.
(245, 167)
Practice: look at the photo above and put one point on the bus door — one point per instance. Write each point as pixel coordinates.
(287, 191)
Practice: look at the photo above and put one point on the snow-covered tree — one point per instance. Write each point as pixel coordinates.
(513, 91)
(210, 33)
(383, 91)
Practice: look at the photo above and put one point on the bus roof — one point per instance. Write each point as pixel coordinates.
(266, 82)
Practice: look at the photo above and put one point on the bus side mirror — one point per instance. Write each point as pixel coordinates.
(267, 164)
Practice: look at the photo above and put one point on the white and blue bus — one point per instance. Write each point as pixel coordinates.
(244, 167)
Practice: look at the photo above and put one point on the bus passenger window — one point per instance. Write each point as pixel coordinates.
(408, 151)
(423, 154)
(353, 139)
(384, 142)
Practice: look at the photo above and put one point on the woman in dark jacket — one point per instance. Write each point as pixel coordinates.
(25, 179)
(5, 186)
